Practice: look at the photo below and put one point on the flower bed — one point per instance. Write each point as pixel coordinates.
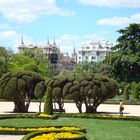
(28, 115)
(25, 130)
(53, 135)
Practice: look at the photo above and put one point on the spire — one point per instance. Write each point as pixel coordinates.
(48, 41)
(74, 51)
(22, 42)
(54, 42)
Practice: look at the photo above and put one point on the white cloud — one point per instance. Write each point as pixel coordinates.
(94, 37)
(67, 42)
(112, 3)
(11, 39)
(4, 26)
(24, 11)
(120, 21)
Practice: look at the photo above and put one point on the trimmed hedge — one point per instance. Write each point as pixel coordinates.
(26, 130)
(73, 115)
(99, 116)
(27, 115)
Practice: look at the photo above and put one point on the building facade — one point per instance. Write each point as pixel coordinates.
(52, 53)
(94, 51)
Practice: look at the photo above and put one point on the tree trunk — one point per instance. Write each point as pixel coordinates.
(20, 105)
(91, 109)
(78, 105)
(40, 105)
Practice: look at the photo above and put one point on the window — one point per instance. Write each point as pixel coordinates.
(93, 57)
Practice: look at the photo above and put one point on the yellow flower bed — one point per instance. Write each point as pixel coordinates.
(65, 128)
(53, 136)
(7, 128)
(50, 129)
(45, 115)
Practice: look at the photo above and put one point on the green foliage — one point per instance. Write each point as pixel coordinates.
(18, 86)
(39, 90)
(66, 88)
(73, 88)
(82, 87)
(126, 92)
(57, 92)
(125, 57)
(5, 56)
(48, 106)
(79, 77)
(70, 77)
(135, 90)
(50, 82)
(84, 83)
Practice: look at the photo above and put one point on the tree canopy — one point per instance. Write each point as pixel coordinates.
(5, 55)
(125, 58)
(90, 89)
(20, 87)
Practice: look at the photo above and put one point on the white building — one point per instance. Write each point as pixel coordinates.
(94, 51)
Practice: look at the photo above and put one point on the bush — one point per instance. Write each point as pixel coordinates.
(48, 106)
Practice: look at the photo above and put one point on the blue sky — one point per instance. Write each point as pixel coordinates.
(70, 22)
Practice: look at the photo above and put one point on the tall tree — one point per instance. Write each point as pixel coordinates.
(125, 59)
(40, 60)
(5, 55)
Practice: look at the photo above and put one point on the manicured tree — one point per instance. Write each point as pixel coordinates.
(72, 91)
(98, 90)
(92, 90)
(126, 92)
(57, 83)
(48, 106)
(135, 90)
(19, 87)
(39, 92)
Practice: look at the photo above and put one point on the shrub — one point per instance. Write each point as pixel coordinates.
(48, 106)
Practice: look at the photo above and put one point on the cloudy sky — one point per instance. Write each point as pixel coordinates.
(70, 22)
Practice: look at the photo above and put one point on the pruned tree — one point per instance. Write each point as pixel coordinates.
(98, 90)
(92, 90)
(20, 87)
(48, 106)
(57, 84)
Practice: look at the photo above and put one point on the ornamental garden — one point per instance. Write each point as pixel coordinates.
(82, 88)
(27, 77)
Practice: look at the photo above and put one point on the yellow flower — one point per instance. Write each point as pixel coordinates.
(45, 115)
(52, 136)
(7, 128)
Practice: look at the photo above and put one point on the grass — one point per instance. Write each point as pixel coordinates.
(96, 129)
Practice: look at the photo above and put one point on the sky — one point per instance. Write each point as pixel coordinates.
(69, 22)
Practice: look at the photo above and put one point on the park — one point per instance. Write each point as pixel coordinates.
(70, 105)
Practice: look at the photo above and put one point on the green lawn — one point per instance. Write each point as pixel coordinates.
(99, 129)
